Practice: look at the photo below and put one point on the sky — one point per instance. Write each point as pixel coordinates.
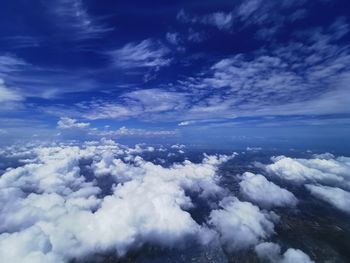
(217, 73)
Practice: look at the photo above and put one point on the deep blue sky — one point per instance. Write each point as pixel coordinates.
(211, 72)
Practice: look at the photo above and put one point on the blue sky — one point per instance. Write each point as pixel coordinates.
(214, 72)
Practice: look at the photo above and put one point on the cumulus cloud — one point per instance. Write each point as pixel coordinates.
(334, 172)
(257, 189)
(324, 175)
(69, 123)
(335, 196)
(51, 211)
(241, 224)
(272, 252)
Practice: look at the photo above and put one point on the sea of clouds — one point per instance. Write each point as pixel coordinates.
(67, 202)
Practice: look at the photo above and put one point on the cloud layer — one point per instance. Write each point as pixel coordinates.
(257, 189)
(69, 216)
(326, 177)
(99, 197)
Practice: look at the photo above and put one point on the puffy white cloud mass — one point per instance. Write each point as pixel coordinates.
(326, 177)
(241, 224)
(333, 195)
(272, 253)
(68, 123)
(55, 209)
(257, 189)
(328, 171)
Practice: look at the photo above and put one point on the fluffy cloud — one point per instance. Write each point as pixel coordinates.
(334, 172)
(241, 224)
(257, 189)
(335, 196)
(324, 175)
(52, 210)
(272, 253)
(68, 123)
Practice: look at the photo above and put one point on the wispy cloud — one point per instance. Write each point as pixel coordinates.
(73, 16)
(124, 131)
(244, 14)
(145, 54)
(147, 104)
(42, 82)
(307, 76)
(7, 94)
(69, 124)
(221, 20)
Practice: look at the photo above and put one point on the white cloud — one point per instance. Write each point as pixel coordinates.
(66, 123)
(173, 38)
(10, 64)
(326, 169)
(148, 53)
(268, 16)
(335, 196)
(283, 80)
(221, 20)
(51, 212)
(51, 83)
(124, 131)
(141, 132)
(178, 146)
(333, 172)
(7, 94)
(72, 17)
(253, 149)
(241, 224)
(272, 252)
(257, 189)
(185, 123)
(69, 123)
(147, 103)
